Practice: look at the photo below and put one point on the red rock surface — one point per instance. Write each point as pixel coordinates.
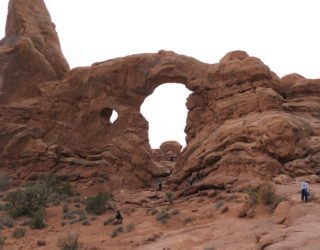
(244, 123)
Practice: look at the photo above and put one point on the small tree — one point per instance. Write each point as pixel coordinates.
(37, 221)
(98, 204)
(266, 193)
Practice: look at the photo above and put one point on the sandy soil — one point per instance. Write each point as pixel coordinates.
(198, 225)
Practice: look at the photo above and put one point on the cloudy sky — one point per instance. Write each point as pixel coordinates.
(283, 34)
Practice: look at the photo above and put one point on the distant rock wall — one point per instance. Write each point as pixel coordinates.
(244, 123)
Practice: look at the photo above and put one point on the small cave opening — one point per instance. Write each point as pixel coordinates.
(109, 116)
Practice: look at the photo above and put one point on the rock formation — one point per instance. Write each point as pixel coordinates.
(244, 123)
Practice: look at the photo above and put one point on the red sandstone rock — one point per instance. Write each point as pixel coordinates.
(30, 53)
(172, 146)
(244, 123)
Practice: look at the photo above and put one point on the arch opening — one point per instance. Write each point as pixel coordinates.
(109, 115)
(165, 110)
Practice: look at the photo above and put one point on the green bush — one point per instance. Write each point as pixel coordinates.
(169, 197)
(252, 195)
(37, 220)
(2, 242)
(98, 204)
(163, 216)
(187, 220)
(130, 227)
(19, 232)
(69, 216)
(69, 242)
(266, 193)
(26, 201)
(36, 195)
(86, 223)
(5, 182)
(114, 233)
(174, 211)
(66, 188)
(6, 221)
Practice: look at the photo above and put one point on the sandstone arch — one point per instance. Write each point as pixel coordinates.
(166, 112)
(244, 122)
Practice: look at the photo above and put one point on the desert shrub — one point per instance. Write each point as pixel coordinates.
(266, 193)
(275, 202)
(69, 242)
(83, 217)
(19, 232)
(252, 195)
(86, 223)
(25, 201)
(109, 220)
(6, 221)
(3, 207)
(34, 196)
(98, 204)
(130, 227)
(163, 216)
(114, 233)
(69, 216)
(66, 188)
(174, 212)
(219, 203)
(65, 208)
(77, 200)
(37, 220)
(152, 211)
(119, 229)
(169, 197)
(2, 242)
(187, 220)
(5, 182)
(25, 223)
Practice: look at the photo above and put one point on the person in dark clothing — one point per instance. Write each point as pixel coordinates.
(119, 217)
(160, 186)
(304, 191)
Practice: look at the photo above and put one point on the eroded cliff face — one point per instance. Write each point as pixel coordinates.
(244, 123)
(30, 53)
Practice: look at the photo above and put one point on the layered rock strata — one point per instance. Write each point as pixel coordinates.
(244, 123)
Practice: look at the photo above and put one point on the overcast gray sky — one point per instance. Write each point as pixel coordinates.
(284, 34)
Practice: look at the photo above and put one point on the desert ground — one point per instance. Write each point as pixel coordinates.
(209, 219)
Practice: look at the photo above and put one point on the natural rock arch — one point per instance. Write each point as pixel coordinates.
(166, 106)
(243, 122)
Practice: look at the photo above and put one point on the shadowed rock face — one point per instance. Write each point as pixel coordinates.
(244, 123)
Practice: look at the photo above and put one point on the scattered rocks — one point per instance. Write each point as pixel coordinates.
(223, 209)
(41, 243)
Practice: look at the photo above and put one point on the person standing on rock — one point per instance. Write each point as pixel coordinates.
(160, 186)
(304, 191)
(119, 217)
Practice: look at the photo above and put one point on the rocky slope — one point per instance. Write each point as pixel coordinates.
(244, 123)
